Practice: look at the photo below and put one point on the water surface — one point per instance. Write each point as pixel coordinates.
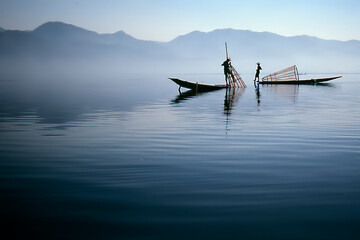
(128, 157)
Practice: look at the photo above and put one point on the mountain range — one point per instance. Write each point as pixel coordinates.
(64, 47)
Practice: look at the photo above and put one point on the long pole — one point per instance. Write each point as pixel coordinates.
(226, 50)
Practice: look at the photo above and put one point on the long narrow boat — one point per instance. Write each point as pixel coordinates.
(200, 87)
(290, 75)
(300, 81)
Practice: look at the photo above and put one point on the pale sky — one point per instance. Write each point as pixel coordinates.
(163, 20)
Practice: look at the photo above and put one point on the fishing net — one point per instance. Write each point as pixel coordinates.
(234, 78)
(287, 74)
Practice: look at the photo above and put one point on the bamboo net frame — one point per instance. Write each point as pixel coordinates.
(287, 74)
(234, 78)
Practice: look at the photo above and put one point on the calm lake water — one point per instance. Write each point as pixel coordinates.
(126, 157)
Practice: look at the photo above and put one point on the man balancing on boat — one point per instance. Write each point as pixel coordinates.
(227, 70)
(257, 74)
(232, 79)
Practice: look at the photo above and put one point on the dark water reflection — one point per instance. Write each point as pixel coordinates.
(129, 158)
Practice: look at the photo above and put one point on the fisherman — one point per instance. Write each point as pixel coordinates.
(257, 74)
(227, 70)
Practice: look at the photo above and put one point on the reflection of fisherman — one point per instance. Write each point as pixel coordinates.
(227, 70)
(257, 90)
(257, 74)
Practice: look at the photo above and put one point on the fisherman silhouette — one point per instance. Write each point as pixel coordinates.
(227, 70)
(257, 74)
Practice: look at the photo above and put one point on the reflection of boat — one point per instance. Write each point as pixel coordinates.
(290, 75)
(286, 91)
(232, 95)
(200, 87)
(186, 96)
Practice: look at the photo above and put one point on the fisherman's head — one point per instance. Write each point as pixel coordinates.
(258, 63)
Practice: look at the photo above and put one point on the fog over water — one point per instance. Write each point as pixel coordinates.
(56, 47)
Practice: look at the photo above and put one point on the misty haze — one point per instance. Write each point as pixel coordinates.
(56, 46)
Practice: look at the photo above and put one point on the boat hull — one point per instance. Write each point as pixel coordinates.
(301, 81)
(200, 87)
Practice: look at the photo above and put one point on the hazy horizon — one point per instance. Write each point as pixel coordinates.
(61, 45)
(163, 20)
(191, 31)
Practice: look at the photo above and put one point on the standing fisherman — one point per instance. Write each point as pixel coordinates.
(257, 74)
(227, 70)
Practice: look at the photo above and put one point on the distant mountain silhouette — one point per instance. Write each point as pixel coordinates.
(275, 51)
(57, 45)
(2, 29)
(63, 30)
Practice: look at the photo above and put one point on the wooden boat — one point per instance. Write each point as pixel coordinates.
(301, 81)
(290, 75)
(199, 87)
